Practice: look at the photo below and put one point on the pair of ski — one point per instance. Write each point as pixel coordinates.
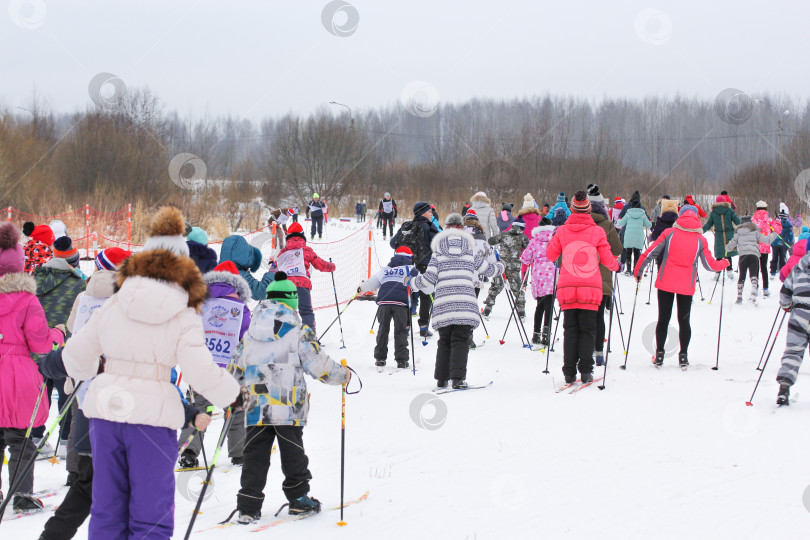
(656, 366)
(576, 386)
(542, 348)
(285, 519)
(448, 389)
(44, 494)
(381, 369)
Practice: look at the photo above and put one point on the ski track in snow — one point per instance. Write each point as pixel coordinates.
(658, 454)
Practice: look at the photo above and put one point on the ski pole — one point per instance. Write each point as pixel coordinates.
(630, 331)
(483, 324)
(715, 288)
(619, 298)
(427, 326)
(720, 324)
(610, 329)
(769, 338)
(556, 326)
(750, 402)
(342, 523)
(375, 320)
(513, 302)
(30, 463)
(553, 298)
(512, 313)
(42, 389)
(652, 278)
(410, 327)
(226, 425)
(700, 288)
(341, 313)
(337, 307)
(619, 322)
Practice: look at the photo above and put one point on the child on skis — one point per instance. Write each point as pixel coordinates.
(24, 330)
(150, 325)
(766, 225)
(583, 246)
(792, 298)
(295, 260)
(226, 318)
(544, 276)
(276, 352)
(392, 303)
(746, 242)
(450, 277)
(511, 242)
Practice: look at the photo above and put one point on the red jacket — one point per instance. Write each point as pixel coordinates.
(689, 200)
(679, 250)
(799, 250)
(310, 259)
(584, 246)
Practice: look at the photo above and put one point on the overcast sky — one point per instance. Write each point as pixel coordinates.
(268, 57)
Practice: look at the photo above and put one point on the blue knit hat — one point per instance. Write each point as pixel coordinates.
(688, 208)
(420, 208)
(198, 235)
(561, 197)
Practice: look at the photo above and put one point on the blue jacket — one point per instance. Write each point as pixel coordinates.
(247, 259)
(560, 204)
(315, 208)
(389, 281)
(204, 256)
(358, 208)
(786, 237)
(633, 224)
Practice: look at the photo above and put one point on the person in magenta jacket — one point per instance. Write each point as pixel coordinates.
(583, 246)
(679, 249)
(23, 330)
(799, 250)
(766, 225)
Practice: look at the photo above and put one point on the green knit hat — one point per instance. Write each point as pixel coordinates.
(283, 290)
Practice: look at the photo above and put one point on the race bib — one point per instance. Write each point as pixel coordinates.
(222, 322)
(397, 273)
(388, 206)
(87, 305)
(315, 209)
(292, 263)
(283, 218)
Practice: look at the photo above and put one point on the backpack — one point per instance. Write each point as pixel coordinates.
(412, 236)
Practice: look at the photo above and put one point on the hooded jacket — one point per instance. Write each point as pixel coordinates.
(634, 202)
(583, 246)
(766, 226)
(389, 281)
(634, 222)
(560, 216)
(531, 217)
(143, 331)
(204, 257)
(691, 201)
(504, 219)
(58, 285)
(101, 284)
(38, 249)
(560, 204)
(451, 276)
(747, 239)
(299, 241)
(785, 237)
(231, 287)
(247, 259)
(598, 213)
(486, 215)
(24, 330)
(723, 219)
(796, 289)
(679, 249)
(271, 360)
(543, 270)
(799, 251)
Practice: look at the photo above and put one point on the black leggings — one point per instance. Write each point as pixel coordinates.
(628, 256)
(763, 267)
(599, 344)
(665, 301)
(544, 309)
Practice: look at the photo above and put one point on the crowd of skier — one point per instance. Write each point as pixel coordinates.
(128, 333)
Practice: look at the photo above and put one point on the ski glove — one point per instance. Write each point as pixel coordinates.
(621, 268)
(788, 308)
(242, 401)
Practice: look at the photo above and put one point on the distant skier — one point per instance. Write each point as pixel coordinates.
(388, 211)
(316, 209)
(486, 215)
(722, 218)
(746, 242)
(509, 244)
(543, 279)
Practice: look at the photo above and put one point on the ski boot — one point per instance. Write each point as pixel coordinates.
(739, 299)
(380, 365)
(486, 312)
(753, 298)
(425, 332)
(304, 505)
(586, 377)
(683, 360)
(546, 334)
(238, 461)
(441, 384)
(246, 518)
(188, 460)
(784, 394)
(570, 379)
(599, 359)
(27, 503)
(403, 365)
(522, 316)
(766, 293)
(459, 384)
(46, 451)
(659, 358)
(537, 338)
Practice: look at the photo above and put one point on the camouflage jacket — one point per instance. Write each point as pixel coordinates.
(58, 285)
(510, 245)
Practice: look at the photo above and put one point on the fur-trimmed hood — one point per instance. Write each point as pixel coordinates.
(164, 266)
(721, 205)
(531, 210)
(451, 233)
(475, 224)
(18, 282)
(237, 283)
(747, 226)
(543, 228)
(481, 198)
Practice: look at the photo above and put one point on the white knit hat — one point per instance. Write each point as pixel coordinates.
(528, 201)
(762, 204)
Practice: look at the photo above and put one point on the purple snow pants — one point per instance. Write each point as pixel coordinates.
(133, 481)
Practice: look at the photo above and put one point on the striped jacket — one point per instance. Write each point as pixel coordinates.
(451, 273)
(796, 289)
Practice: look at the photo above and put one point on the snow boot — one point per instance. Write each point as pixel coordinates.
(441, 384)
(766, 293)
(379, 363)
(570, 380)
(425, 332)
(545, 335)
(537, 338)
(403, 365)
(459, 384)
(27, 503)
(304, 505)
(599, 359)
(188, 460)
(246, 518)
(784, 394)
(586, 377)
(683, 360)
(739, 299)
(659, 358)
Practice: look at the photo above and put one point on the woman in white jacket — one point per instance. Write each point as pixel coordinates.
(150, 325)
(486, 215)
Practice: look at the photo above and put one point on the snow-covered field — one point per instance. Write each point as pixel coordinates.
(658, 454)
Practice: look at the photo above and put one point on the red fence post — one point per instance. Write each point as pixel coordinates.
(273, 228)
(87, 229)
(369, 251)
(129, 227)
(9, 213)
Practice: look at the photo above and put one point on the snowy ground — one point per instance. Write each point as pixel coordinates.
(657, 454)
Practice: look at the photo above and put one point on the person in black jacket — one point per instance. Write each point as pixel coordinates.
(388, 213)
(315, 210)
(417, 235)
